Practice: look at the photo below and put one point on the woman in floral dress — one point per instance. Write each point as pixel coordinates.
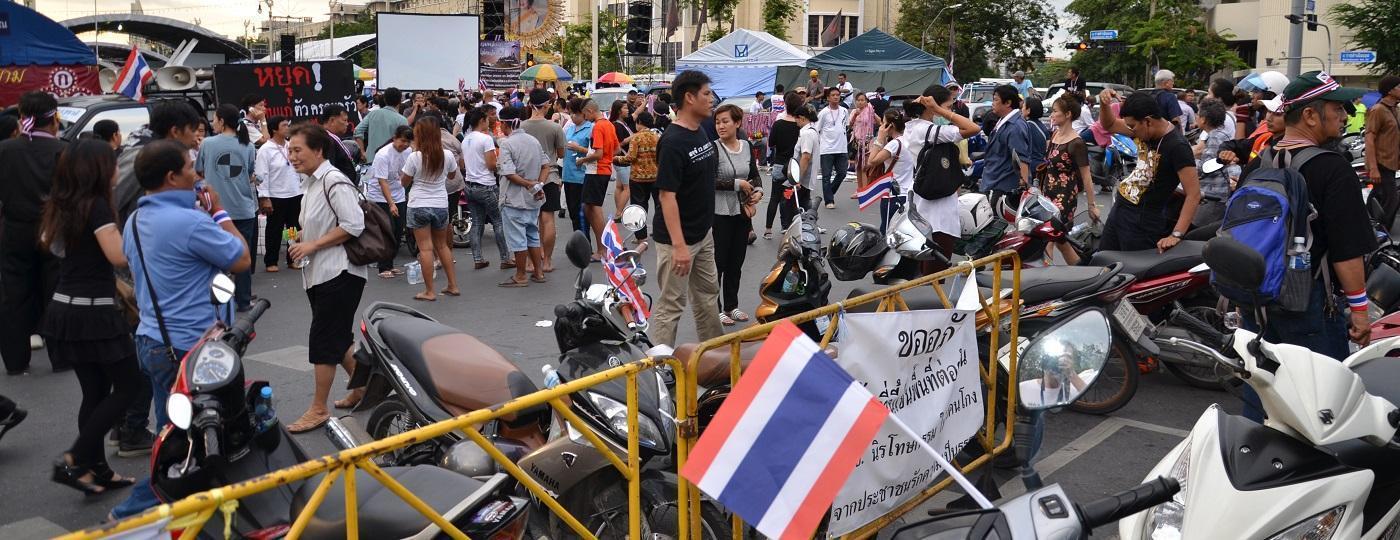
(1066, 169)
(862, 126)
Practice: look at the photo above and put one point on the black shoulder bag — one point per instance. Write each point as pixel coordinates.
(155, 304)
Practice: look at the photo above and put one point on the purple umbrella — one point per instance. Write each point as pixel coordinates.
(1371, 98)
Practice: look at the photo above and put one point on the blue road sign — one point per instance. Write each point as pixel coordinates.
(1311, 6)
(1102, 35)
(1357, 57)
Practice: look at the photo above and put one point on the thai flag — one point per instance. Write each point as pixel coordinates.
(786, 438)
(620, 274)
(134, 76)
(881, 188)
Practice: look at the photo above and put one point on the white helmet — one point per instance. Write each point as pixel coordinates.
(975, 212)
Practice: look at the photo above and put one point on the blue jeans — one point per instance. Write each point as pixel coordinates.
(485, 206)
(1321, 332)
(833, 173)
(159, 369)
(243, 281)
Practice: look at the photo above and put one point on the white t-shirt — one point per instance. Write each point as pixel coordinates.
(388, 166)
(941, 214)
(277, 178)
(428, 192)
(808, 142)
(474, 148)
(1086, 119)
(831, 123)
(903, 164)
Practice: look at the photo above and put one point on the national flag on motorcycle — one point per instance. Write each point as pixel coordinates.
(134, 76)
(881, 188)
(786, 439)
(620, 273)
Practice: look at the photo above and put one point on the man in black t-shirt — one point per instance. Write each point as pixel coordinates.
(1148, 213)
(27, 274)
(686, 164)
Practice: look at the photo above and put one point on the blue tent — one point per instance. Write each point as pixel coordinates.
(28, 38)
(743, 62)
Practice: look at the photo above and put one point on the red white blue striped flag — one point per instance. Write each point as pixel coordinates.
(620, 273)
(881, 188)
(134, 76)
(786, 439)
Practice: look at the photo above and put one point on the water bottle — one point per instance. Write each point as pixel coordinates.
(792, 283)
(414, 272)
(1301, 258)
(263, 415)
(551, 376)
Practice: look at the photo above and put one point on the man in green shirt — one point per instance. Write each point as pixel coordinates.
(1358, 120)
(378, 126)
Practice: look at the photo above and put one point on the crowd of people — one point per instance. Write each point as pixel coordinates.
(77, 214)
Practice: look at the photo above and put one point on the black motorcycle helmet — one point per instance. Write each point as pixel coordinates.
(855, 250)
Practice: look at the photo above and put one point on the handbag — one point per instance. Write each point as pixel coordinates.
(376, 242)
(155, 304)
(126, 301)
(745, 207)
(879, 172)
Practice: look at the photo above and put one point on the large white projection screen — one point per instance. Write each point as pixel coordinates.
(427, 52)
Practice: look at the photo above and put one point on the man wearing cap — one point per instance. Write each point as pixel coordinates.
(814, 85)
(1383, 145)
(1023, 85)
(1315, 109)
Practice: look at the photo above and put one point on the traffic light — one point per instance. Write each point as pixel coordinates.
(639, 27)
(1079, 46)
(1312, 22)
(1114, 46)
(1309, 19)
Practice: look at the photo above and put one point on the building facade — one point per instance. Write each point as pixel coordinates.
(1260, 34)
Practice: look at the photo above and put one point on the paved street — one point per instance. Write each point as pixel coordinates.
(1091, 456)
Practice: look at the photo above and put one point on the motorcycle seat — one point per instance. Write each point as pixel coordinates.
(714, 364)
(1147, 264)
(1044, 284)
(459, 371)
(382, 513)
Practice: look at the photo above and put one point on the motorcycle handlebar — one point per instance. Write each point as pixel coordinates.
(1115, 507)
(211, 443)
(243, 327)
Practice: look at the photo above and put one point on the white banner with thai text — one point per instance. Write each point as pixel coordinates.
(923, 365)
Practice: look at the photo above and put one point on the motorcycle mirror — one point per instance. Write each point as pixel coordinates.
(1234, 263)
(579, 249)
(1057, 367)
(180, 410)
(634, 218)
(1209, 166)
(221, 291)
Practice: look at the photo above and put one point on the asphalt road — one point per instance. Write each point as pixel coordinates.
(1091, 456)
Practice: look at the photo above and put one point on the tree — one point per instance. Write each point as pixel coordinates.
(985, 31)
(575, 46)
(1374, 22)
(364, 23)
(1169, 34)
(1048, 73)
(776, 16)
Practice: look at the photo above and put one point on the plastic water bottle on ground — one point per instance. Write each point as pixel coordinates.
(414, 272)
(551, 376)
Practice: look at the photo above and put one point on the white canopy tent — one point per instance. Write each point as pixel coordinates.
(743, 62)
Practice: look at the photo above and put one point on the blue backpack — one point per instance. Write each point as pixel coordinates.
(1270, 212)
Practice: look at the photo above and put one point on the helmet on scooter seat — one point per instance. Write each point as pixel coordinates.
(854, 251)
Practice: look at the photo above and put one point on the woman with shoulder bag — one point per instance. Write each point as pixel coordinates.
(889, 147)
(83, 325)
(330, 217)
(738, 188)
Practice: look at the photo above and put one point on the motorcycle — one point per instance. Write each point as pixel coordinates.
(461, 220)
(798, 282)
(1054, 369)
(1110, 164)
(224, 431)
(1324, 463)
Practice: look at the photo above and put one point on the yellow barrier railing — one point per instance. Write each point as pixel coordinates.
(890, 299)
(191, 513)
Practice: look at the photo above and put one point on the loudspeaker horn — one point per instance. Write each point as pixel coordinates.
(107, 78)
(175, 78)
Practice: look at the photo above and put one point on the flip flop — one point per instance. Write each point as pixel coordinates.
(387, 275)
(397, 271)
(419, 297)
(451, 292)
(538, 279)
(347, 402)
(272, 269)
(304, 424)
(513, 284)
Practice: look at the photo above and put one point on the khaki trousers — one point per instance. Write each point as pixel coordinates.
(701, 285)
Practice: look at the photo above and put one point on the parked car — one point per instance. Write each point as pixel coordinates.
(1094, 88)
(605, 97)
(77, 114)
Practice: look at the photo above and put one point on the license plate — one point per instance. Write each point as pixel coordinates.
(1133, 323)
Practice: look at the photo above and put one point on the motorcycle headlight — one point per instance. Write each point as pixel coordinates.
(1167, 517)
(616, 416)
(213, 365)
(1318, 527)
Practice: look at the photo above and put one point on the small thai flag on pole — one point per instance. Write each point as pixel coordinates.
(134, 76)
(785, 440)
(879, 189)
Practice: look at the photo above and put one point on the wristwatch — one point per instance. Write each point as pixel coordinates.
(1178, 234)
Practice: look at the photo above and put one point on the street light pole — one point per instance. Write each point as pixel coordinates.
(595, 7)
(924, 40)
(332, 23)
(1295, 40)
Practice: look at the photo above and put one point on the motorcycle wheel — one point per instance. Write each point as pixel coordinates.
(391, 417)
(1114, 386)
(461, 230)
(1209, 378)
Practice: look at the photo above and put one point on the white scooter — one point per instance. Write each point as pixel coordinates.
(1326, 463)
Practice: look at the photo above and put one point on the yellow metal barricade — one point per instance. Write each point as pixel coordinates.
(995, 311)
(191, 513)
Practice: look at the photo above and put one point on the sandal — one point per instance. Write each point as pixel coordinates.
(72, 476)
(507, 265)
(450, 292)
(305, 424)
(513, 284)
(768, 235)
(397, 271)
(9, 422)
(350, 400)
(480, 264)
(423, 297)
(272, 269)
(539, 279)
(725, 319)
(387, 275)
(108, 478)
(739, 315)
